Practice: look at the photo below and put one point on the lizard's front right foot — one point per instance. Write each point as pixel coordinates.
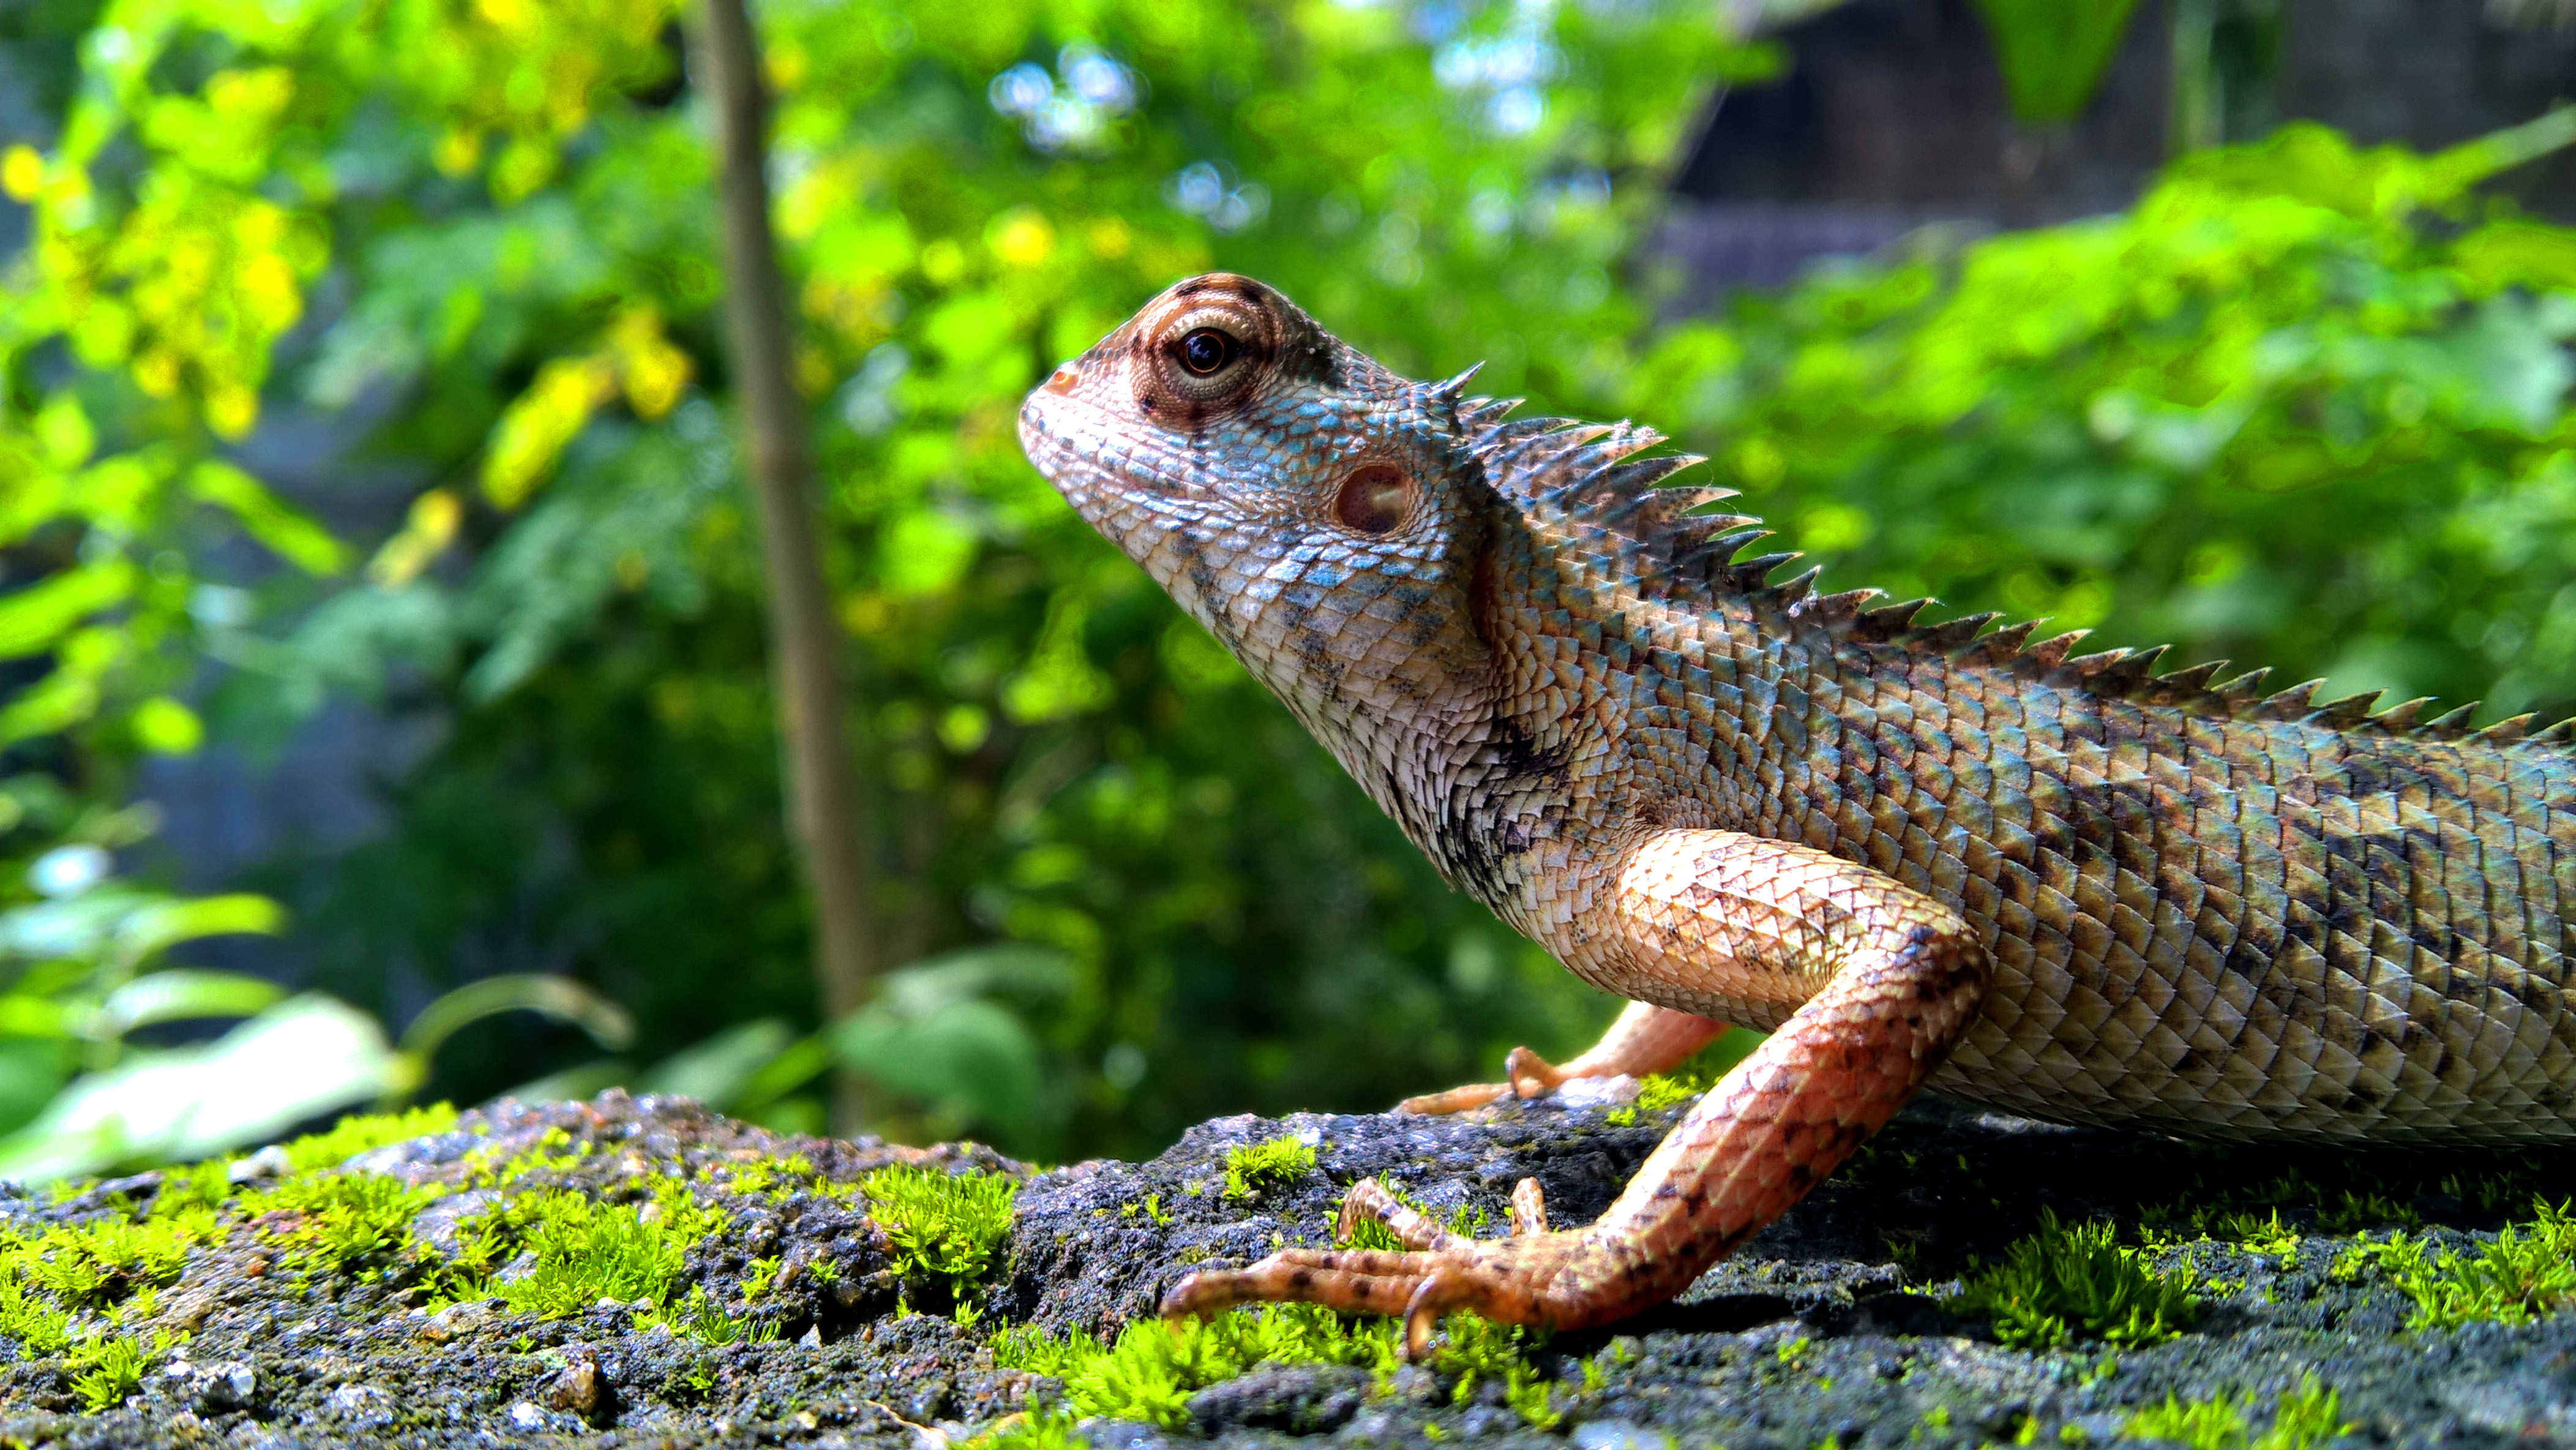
(1535, 1277)
(1531, 1075)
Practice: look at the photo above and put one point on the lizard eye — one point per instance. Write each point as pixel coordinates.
(1206, 351)
(1376, 499)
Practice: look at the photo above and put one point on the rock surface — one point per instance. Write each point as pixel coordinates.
(1837, 1325)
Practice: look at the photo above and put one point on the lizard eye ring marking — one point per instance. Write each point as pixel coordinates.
(1204, 350)
(1376, 499)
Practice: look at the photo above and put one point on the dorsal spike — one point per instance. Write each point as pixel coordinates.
(2349, 711)
(1836, 611)
(1726, 546)
(1749, 574)
(1633, 484)
(2004, 645)
(2187, 682)
(2290, 704)
(1789, 593)
(1456, 387)
(2246, 688)
(2561, 734)
(1705, 527)
(2125, 670)
(2049, 653)
(1950, 634)
(2507, 730)
(2401, 717)
(2450, 724)
(1888, 621)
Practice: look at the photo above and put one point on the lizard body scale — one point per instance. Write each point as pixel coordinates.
(1920, 855)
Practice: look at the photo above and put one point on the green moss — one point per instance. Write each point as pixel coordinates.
(700, 1318)
(1256, 1166)
(2526, 1272)
(1151, 1207)
(1155, 1366)
(108, 1368)
(583, 1250)
(2064, 1284)
(90, 1265)
(38, 1323)
(1041, 1429)
(2301, 1418)
(759, 1273)
(784, 1179)
(365, 1133)
(341, 1221)
(1657, 1092)
(554, 1152)
(948, 1225)
(196, 1189)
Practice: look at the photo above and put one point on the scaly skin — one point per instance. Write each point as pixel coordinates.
(2063, 886)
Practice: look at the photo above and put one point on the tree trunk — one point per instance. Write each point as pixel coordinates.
(826, 807)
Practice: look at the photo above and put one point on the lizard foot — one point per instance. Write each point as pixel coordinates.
(1645, 1039)
(1536, 1276)
(1530, 1074)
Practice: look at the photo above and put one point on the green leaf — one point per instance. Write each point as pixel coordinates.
(181, 994)
(285, 531)
(972, 1060)
(167, 922)
(560, 998)
(301, 1058)
(34, 618)
(717, 1069)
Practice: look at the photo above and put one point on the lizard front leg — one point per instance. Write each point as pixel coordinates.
(1886, 980)
(1645, 1038)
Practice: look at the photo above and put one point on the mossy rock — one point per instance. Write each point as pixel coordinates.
(430, 1281)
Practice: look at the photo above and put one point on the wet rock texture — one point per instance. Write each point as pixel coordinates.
(1830, 1327)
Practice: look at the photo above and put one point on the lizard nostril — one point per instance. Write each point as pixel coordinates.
(1065, 379)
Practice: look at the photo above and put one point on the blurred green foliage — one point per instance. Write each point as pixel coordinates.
(2304, 405)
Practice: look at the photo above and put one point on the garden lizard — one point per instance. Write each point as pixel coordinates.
(1917, 854)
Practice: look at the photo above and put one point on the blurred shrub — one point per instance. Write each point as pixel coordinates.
(2305, 406)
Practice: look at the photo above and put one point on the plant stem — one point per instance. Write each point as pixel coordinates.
(826, 801)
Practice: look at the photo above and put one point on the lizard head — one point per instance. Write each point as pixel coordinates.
(1306, 505)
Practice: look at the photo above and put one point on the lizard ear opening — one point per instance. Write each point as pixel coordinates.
(1376, 499)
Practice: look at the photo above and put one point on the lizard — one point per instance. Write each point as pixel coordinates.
(1951, 855)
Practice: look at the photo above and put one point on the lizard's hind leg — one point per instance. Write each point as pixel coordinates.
(1888, 979)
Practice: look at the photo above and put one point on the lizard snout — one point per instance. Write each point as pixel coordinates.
(1065, 380)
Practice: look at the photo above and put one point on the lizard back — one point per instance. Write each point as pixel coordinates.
(2211, 909)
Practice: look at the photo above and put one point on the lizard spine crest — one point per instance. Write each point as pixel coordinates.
(1562, 470)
